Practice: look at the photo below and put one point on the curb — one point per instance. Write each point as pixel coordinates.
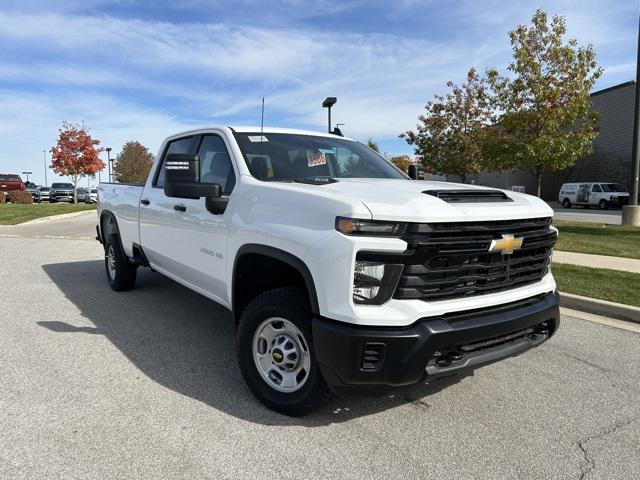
(53, 218)
(600, 307)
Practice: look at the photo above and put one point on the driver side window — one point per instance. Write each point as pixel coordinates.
(597, 189)
(215, 163)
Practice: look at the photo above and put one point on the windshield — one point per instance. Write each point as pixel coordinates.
(62, 185)
(612, 187)
(9, 178)
(287, 157)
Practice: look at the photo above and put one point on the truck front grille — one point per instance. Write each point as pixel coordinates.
(452, 260)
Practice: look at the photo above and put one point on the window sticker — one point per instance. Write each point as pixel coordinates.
(316, 158)
(257, 138)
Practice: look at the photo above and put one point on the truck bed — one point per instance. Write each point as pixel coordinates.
(123, 199)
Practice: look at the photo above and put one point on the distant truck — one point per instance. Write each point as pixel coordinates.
(340, 272)
(61, 192)
(603, 195)
(10, 182)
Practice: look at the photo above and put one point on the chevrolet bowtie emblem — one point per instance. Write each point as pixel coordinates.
(507, 244)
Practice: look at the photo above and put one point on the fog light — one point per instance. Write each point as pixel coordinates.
(375, 282)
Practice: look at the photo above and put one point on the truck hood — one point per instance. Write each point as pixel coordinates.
(405, 200)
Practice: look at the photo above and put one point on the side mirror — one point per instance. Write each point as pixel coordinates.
(413, 172)
(182, 178)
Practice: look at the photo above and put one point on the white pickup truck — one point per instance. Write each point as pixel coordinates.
(341, 272)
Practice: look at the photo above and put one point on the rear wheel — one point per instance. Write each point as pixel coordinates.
(603, 204)
(121, 274)
(275, 352)
(566, 203)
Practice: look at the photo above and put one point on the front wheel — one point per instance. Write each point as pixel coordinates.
(275, 353)
(603, 205)
(566, 203)
(121, 274)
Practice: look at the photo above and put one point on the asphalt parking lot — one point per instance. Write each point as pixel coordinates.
(144, 384)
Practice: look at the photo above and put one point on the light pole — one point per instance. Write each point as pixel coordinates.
(44, 157)
(27, 174)
(631, 212)
(108, 149)
(328, 103)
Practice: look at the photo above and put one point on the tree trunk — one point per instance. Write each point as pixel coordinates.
(463, 176)
(75, 190)
(539, 178)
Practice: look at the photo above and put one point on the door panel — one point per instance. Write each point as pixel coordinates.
(191, 242)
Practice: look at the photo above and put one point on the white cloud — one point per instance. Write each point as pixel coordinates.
(141, 79)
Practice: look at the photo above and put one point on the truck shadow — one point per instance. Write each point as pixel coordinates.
(186, 343)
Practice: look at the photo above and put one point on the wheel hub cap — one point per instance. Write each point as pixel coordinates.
(281, 355)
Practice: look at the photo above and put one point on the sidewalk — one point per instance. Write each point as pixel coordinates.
(597, 261)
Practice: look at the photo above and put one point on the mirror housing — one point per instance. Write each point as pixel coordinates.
(413, 172)
(182, 178)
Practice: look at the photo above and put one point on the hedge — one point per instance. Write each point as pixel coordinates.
(20, 196)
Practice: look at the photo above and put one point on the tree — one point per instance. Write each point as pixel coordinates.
(133, 163)
(450, 135)
(373, 145)
(544, 122)
(75, 154)
(402, 162)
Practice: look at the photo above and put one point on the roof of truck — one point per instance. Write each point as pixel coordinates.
(256, 129)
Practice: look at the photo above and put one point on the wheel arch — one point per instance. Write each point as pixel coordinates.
(108, 225)
(273, 257)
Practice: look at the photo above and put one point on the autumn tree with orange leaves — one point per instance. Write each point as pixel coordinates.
(76, 154)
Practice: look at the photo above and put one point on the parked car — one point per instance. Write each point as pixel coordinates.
(30, 187)
(61, 192)
(590, 194)
(41, 194)
(81, 194)
(10, 182)
(340, 272)
(91, 196)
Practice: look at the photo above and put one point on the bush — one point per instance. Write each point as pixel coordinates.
(20, 196)
(3, 197)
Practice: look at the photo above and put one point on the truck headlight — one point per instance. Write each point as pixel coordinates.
(372, 228)
(375, 282)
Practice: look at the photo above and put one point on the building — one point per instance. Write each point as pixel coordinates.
(611, 157)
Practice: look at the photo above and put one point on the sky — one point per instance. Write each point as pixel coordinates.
(145, 69)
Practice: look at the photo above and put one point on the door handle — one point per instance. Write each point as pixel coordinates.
(145, 201)
(180, 208)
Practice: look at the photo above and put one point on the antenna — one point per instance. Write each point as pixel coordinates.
(262, 120)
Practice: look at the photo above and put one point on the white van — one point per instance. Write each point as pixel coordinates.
(588, 194)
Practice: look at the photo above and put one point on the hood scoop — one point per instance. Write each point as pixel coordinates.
(316, 180)
(469, 196)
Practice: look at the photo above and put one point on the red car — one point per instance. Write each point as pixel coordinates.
(10, 182)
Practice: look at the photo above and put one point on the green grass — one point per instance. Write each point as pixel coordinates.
(12, 214)
(605, 284)
(596, 238)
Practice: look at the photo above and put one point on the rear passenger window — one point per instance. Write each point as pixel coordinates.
(215, 164)
(182, 145)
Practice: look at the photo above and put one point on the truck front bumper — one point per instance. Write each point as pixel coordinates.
(379, 358)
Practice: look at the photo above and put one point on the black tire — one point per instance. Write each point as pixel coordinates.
(566, 203)
(122, 274)
(292, 305)
(586, 206)
(604, 205)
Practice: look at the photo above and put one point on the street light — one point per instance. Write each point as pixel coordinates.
(631, 212)
(328, 103)
(27, 174)
(44, 157)
(108, 149)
